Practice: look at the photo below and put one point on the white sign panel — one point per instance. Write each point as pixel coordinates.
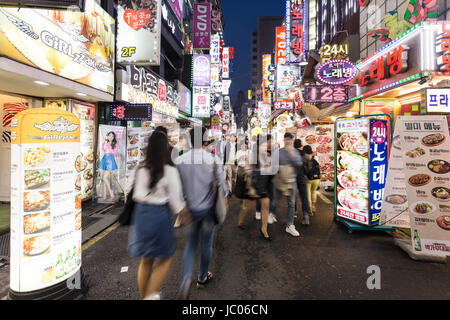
(215, 49)
(438, 100)
(226, 63)
(201, 102)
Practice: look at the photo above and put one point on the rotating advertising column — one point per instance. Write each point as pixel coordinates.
(45, 210)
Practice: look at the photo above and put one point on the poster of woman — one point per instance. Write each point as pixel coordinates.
(110, 164)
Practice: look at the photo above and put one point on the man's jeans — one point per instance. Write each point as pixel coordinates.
(200, 228)
(304, 198)
(291, 202)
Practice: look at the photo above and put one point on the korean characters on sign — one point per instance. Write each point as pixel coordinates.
(267, 96)
(443, 48)
(329, 52)
(280, 45)
(395, 62)
(201, 102)
(336, 72)
(294, 30)
(328, 94)
(438, 100)
(226, 63)
(202, 25)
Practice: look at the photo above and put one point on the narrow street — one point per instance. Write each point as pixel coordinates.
(325, 262)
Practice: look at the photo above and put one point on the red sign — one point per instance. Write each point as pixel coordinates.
(352, 215)
(393, 63)
(280, 45)
(137, 20)
(162, 91)
(443, 48)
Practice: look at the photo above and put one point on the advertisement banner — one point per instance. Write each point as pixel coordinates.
(320, 138)
(327, 94)
(280, 45)
(45, 203)
(202, 25)
(75, 45)
(171, 22)
(215, 49)
(202, 70)
(427, 178)
(226, 63)
(137, 141)
(111, 157)
(185, 104)
(378, 143)
(201, 102)
(130, 112)
(177, 7)
(294, 30)
(139, 32)
(288, 76)
(352, 170)
(395, 205)
(85, 180)
(267, 95)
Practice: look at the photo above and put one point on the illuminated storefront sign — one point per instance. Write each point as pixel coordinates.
(215, 49)
(226, 63)
(294, 30)
(336, 71)
(201, 102)
(130, 112)
(443, 48)
(288, 76)
(202, 25)
(283, 105)
(177, 7)
(329, 52)
(438, 100)
(202, 70)
(280, 45)
(267, 95)
(328, 94)
(171, 23)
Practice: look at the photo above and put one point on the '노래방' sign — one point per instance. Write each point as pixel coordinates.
(294, 30)
(336, 72)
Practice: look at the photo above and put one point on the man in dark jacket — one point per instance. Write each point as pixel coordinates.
(301, 184)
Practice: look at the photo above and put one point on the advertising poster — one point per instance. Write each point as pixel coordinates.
(378, 160)
(352, 170)
(45, 204)
(266, 61)
(137, 142)
(320, 138)
(288, 76)
(139, 32)
(111, 158)
(85, 161)
(426, 145)
(75, 45)
(201, 102)
(395, 206)
(202, 25)
(185, 105)
(202, 70)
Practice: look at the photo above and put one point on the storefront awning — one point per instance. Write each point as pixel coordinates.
(337, 111)
(20, 79)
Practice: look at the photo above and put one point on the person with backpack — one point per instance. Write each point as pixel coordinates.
(312, 172)
(286, 180)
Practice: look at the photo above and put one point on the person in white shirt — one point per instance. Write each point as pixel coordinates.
(158, 193)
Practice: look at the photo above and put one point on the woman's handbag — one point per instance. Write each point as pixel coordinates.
(127, 212)
(220, 209)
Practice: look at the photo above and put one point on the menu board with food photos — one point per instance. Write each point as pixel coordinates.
(137, 141)
(426, 144)
(320, 138)
(395, 205)
(45, 203)
(352, 170)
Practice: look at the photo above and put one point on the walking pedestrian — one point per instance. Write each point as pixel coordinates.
(312, 171)
(199, 170)
(230, 162)
(286, 180)
(301, 184)
(157, 193)
(260, 171)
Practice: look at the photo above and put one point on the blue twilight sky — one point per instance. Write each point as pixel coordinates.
(241, 18)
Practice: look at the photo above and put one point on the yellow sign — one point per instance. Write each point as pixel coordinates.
(41, 125)
(329, 52)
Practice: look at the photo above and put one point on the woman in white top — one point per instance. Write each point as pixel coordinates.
(157, 193)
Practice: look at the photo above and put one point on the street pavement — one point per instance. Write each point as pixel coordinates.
(325, 262)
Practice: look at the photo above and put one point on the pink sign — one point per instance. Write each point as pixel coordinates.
(202, 25)
(379, 132)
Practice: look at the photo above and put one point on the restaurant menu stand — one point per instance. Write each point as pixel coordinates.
(361, 160)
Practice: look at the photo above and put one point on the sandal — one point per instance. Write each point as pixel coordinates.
(204, 283)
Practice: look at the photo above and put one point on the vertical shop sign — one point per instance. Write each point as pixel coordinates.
(45, 204)
(294, 30)
(202, 70)
(443, 48)
(288, 77)
(201, 102)
(177, 7)
(267, 96)
(378, 143)
(280, 45)
(202, 25)
(226, 63)
(427, 181)
(139, 33)
(215, 49)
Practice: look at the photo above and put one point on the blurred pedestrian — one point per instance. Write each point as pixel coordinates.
(199, 170)
(312, 171)
(230, 162)
(301, 184)
(157, 193)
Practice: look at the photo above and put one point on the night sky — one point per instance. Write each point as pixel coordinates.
(241, 18)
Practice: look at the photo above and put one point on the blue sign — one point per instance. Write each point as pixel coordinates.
(378, 160)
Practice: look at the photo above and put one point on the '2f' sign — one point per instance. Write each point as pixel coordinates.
(374, 281)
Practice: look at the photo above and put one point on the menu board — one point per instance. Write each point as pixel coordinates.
(45, 204)
(395, 205)
(111, 157)
(352, 170)
(137, 141)
(320, 138)
(85, 161)
(426, 165)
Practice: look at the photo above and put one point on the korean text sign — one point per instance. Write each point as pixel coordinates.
(329, 94)
(377, 167)
(139, 33)
(267, 96)
(280, 45)
(438, 100)
(202, 25)
(201, 102)
(45, 204)
(202, 70)
(294, 30)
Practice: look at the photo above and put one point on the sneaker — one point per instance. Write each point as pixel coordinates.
(258, 215)
(153, 296)
(291, 230)
(305, 220)
(272, 219)
(209, 277)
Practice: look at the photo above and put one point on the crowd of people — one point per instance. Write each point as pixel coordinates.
(180, 181)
